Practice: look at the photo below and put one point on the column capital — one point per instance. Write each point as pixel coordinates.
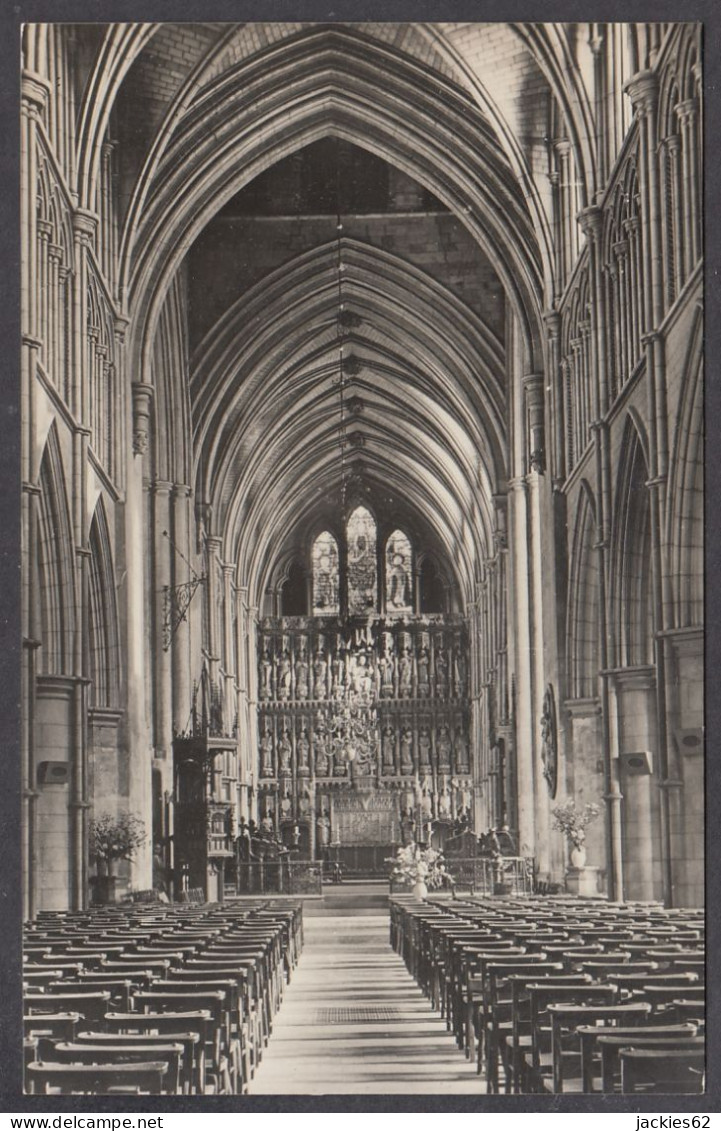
(642, 89)
(687, 110)
(590, 220)
(35, 90)
(182, 491)
(142, 394)
(85, 224)
(161, 487)
(552, 318)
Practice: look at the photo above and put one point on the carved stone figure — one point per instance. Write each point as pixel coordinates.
(266, 749)
(424, 679)
(301, 677)
(322, 830)
(461, 745)
(303, 750)
(405, 674)
(406, 750)
(285, 751)
(460, 672)
(320, 672)
(266, 676)
(321, 754)
(386, 667)
(388, 747)
(285, 806)
(443, 747)
(444, 804)
(337, 673)
(424, 748)
(441, 672)
(285, 677)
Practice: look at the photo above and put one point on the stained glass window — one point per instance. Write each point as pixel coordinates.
(399, 591)
(362, 565)
(325, 575)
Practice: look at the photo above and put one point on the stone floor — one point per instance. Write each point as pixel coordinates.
(352, 1019)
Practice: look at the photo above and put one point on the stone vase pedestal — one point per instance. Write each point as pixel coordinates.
(582, 881)
(420, 891)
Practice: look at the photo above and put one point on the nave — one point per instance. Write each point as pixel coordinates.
(353, 1021)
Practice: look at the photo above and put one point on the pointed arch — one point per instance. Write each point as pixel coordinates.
(326, 578)
(633, 594)
(583, 630)
(685, 527)
(399, 572)
(103, 640)
(361, 549)
(54, 562)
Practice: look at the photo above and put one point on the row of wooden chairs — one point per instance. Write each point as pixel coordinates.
(531, 987)
(157, 999)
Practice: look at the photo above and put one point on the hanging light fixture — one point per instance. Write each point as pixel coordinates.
(351, 717)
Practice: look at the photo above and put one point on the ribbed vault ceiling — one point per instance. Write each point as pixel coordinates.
(425, 374)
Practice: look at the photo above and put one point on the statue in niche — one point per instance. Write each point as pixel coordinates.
(285, 676)
(441, 672)
(388, 746)
(301, 677)
(322, 830)
(285, 751)
(424, 748)
(444, 804)
(407, 750)
(266, 750)
(443, 747)
(320, 672)
(321, 754)
(424, 678)
(337, 673)
(303, 749)
(266, 676)
(286, 806)
(460, 671)
(461, 744)
(361, 676)
(386, 668)
(405, 674)
(427, 801)
(304, 803)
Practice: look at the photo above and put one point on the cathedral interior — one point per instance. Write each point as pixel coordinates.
(362, 446)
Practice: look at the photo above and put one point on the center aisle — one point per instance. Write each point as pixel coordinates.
(353, 1020)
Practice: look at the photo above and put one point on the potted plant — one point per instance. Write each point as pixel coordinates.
(422, 867)
(573, 824)
(113, 838)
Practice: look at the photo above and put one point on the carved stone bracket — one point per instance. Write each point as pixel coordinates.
(142, 400)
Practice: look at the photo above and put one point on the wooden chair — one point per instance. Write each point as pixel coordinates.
(107, 1052)
(194, 1029)
(214, 1002)
(91, 1005)
(610, 1047)
(565, 1041)
(535, 1056)
(96, 1079)
(590, 1035)
(497, 1017)
(660, 1071)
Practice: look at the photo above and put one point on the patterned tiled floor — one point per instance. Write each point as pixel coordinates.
(353, 1021)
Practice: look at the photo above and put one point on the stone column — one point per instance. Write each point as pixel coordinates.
(161, 664)
(521, 615)
(181, 662)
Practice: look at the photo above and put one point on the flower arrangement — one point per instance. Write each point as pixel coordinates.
(572, 823)
(116, 838)
(413, 864)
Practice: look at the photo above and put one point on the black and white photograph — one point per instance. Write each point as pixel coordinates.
(362, 560)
